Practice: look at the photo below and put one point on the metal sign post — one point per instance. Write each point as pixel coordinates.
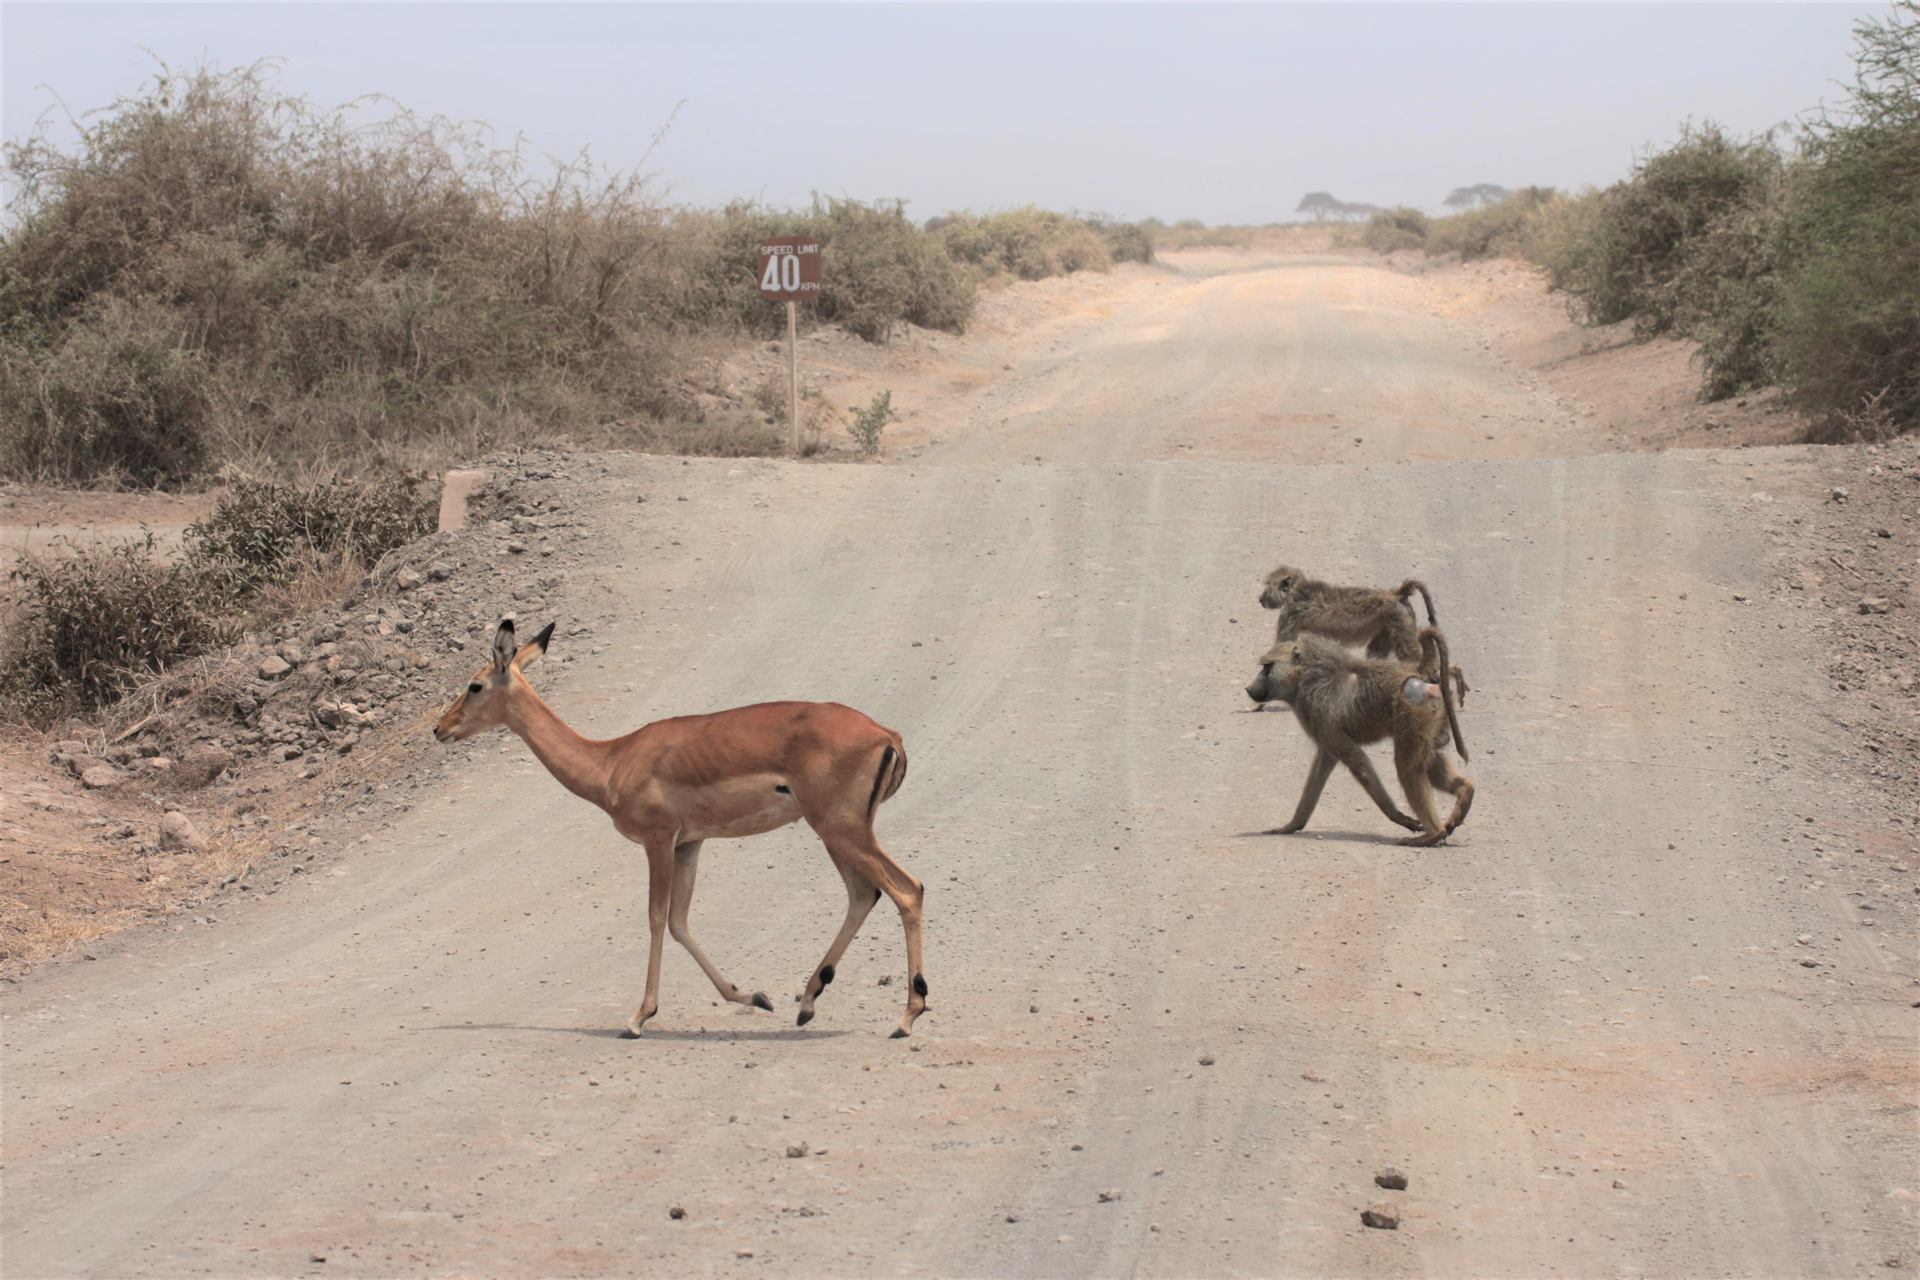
(791, 268)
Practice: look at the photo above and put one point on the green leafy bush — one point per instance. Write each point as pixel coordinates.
(1847, 319)
(1634, 263)
(869, 422)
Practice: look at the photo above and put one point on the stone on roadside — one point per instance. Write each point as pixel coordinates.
(274, 667)
(407, 580)
(101, 777)
(1390, 1178)
(1381, 1217)
(178, 832)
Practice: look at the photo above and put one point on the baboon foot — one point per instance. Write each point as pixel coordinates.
(1411, 824)
(1287, 830)
(1426, 841)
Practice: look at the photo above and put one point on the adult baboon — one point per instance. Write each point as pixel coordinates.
(1344, 703)
(1383, 621)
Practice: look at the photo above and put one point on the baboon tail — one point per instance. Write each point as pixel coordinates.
(1412, 585)
(1433, 644)
(887, 779)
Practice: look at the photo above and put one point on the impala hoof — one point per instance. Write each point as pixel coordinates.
(806, 1016)
(760, 1001)
(629, 1034)
(899, 1033)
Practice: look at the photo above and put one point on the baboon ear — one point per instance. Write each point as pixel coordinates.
(503, 645)
(533, 648)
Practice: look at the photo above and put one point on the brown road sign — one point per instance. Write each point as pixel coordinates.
(790, 268)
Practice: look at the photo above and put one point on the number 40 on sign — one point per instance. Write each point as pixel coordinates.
(790, 269)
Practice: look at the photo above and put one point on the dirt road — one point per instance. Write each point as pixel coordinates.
(1157, 1045)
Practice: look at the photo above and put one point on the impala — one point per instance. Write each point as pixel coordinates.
(671, 785)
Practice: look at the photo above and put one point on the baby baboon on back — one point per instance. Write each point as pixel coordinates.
(1382, 621)
(1345, 702)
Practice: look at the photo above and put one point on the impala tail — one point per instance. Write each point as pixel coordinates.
(887, 779)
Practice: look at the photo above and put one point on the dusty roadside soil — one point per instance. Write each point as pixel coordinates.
(1652, 1011)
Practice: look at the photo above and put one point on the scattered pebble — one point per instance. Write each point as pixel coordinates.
(1390, 1178)
(1382, 1217)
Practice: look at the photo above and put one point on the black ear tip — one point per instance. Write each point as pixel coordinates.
(506, 624)
(545, 635)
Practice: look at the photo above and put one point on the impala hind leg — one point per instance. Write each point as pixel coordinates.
(659, 895)
(861, 895)
(686, 865)
(862, 854)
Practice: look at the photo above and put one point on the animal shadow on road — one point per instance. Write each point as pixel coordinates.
(715, 1034)
(1358, 837)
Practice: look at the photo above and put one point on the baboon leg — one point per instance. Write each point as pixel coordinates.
(686, 865)
(1362, 768)
(857, 850)
(1317, 776)
(861, 895)
(1413, 778)
(1449, 779)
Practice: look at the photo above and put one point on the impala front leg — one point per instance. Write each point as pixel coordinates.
(659, 897)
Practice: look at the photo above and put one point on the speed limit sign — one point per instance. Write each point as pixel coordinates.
(790, 269)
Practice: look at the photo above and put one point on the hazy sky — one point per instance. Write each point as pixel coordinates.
(1222, 112)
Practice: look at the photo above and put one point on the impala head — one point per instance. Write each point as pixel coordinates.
(1279, 673)
(482, 705)
(1279, 586)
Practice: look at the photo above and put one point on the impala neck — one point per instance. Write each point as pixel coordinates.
(578, 764)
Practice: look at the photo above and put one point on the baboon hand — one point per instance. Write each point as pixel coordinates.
(1287, 830)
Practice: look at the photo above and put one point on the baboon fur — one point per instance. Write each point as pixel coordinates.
(1344, 703)
(1383, 621)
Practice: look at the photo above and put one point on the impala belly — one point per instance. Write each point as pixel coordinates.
(744, 806)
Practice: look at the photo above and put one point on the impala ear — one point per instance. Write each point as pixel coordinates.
(534, 647)
(503, 645)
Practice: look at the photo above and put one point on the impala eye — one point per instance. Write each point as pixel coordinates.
(474, 687)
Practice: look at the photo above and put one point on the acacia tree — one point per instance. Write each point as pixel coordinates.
(1320, 204)
(1477, 196)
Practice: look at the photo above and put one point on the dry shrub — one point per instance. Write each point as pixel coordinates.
(259, 527)
(1396, 228)
(1496, 228)
(89, 625)
(1029, 243)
